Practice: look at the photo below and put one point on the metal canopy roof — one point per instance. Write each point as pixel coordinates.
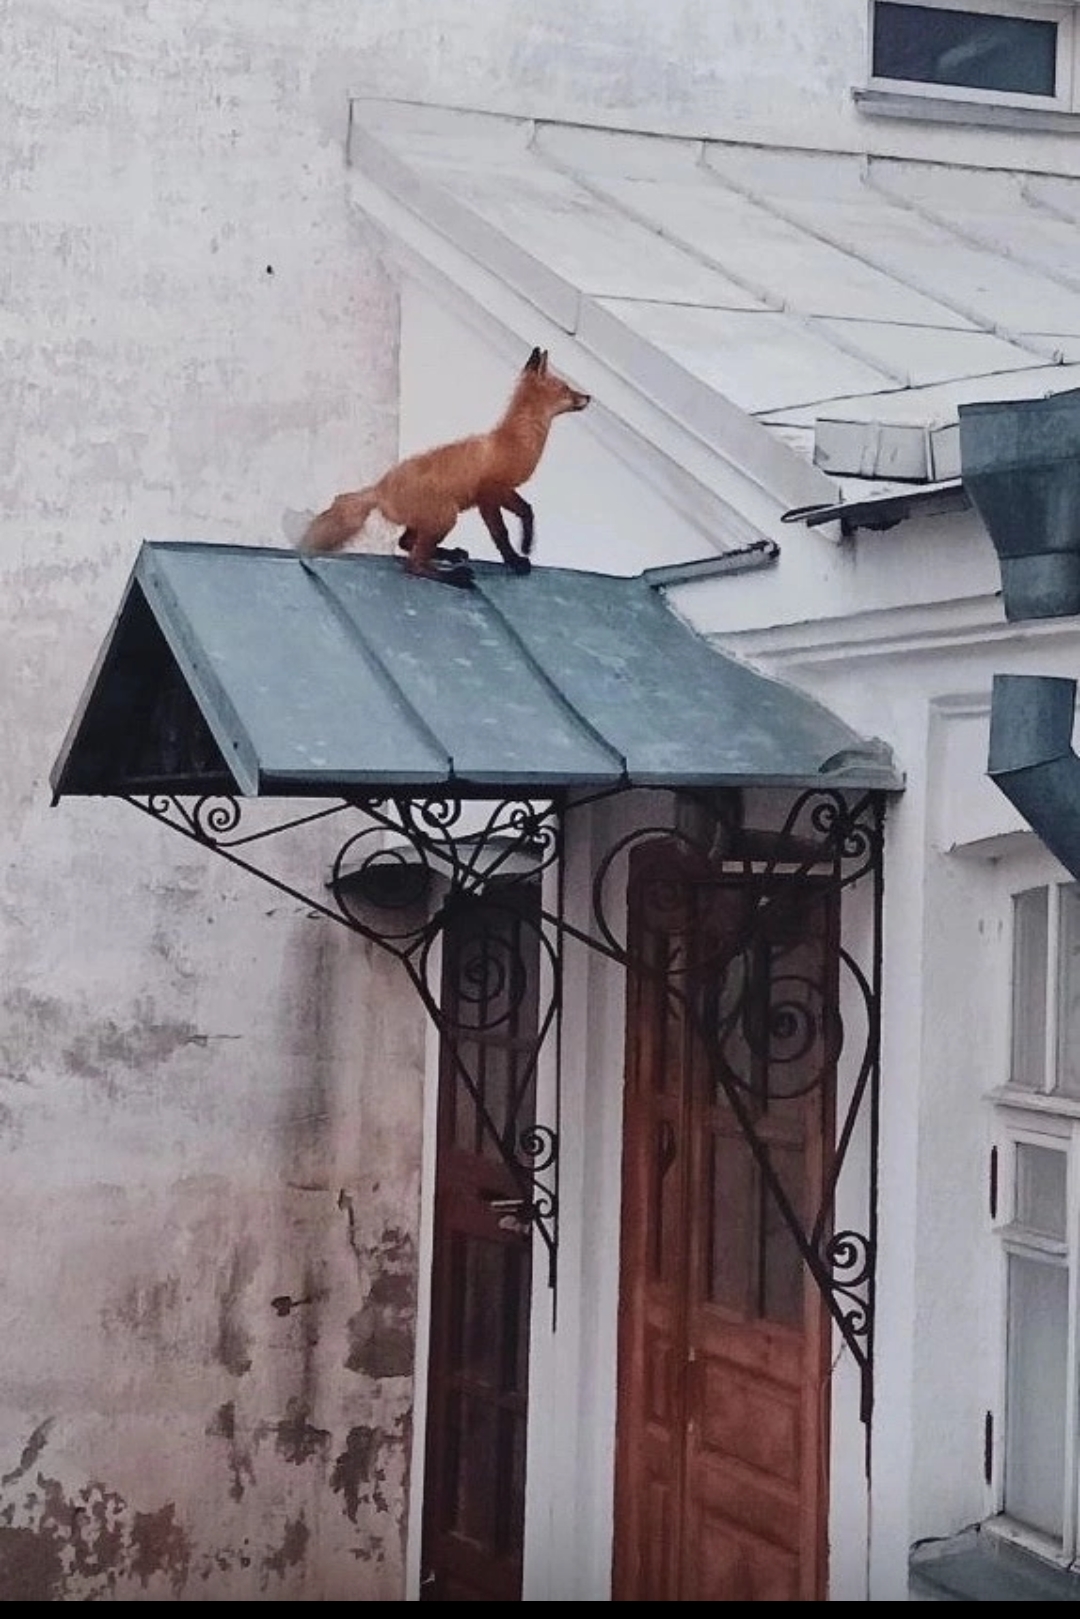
(260, 671)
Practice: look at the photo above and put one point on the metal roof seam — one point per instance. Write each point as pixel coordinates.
(676, 238)
(346, 619)
(986, 244)
(552, 685)
(1043, 205)
(861, 256)
(777, 305)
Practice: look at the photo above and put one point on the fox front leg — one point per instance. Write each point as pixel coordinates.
(520, 507)
(493, 518)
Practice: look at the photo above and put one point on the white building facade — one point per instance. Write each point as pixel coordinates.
(780, 248)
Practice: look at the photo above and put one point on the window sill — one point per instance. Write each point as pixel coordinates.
(1045, 1102)
(930, 110)
(979, 1567)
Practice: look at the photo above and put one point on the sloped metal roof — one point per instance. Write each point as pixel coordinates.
(232, 668)
(843, 303)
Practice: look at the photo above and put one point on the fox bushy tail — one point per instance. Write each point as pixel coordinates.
(340, 522)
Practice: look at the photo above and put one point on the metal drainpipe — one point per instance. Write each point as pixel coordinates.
(1020, 462)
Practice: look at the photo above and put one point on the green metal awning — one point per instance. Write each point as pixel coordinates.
(263, 672)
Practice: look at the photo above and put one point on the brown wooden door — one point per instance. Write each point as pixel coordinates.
(721, 1466)
(474, 1483)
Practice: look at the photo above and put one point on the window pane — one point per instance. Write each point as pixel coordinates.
(1035, 1396)
(1040, 1189)
(1068, 1011)
(1029, 988)
(973, 49)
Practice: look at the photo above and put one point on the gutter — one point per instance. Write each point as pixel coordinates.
(884, 511)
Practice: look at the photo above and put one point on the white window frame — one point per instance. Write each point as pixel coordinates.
(1040, 1118)
(1061, 12)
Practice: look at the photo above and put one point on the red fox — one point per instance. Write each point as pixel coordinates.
(427, 493)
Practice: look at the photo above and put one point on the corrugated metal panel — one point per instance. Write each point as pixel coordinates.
(317, 677)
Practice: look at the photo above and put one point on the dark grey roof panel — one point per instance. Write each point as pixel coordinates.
(284, 686)
(676, 708)
(315, 677)
(461, 670)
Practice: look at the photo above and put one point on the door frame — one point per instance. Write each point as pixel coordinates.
(569, 1511)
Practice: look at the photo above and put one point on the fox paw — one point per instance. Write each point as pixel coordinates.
(459, 574)
(453, 573)
(519, 565)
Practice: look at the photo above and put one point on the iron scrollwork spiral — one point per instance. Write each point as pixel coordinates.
(849, 1256)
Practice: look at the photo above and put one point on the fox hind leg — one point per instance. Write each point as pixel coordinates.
(448, 553)
(426, 558)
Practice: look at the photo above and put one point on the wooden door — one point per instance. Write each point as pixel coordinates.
(721, 1466)
(474, 1481)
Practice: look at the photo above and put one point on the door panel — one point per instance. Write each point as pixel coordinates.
(722, 1418)
(474, 1482)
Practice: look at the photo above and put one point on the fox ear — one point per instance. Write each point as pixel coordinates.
(536, 360)
(542, 367)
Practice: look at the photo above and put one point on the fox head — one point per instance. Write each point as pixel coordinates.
(550, 392)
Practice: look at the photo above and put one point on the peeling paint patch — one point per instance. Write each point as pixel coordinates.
(396, 1248)
(89, 1526)
(381, 1336)
(360, 1472)
(160, 1546)
(297, 1440)
(80, 1546)
(381, 1333)
(31, 1569)
(30, 1452)
(293, 1547)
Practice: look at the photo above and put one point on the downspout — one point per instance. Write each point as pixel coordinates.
(1020, 463)
(1032, 759)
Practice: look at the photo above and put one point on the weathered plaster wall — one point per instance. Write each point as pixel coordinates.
(205, 1103)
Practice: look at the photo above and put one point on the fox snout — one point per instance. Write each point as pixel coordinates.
(578, 401)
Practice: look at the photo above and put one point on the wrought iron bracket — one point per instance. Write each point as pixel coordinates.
(402, 864)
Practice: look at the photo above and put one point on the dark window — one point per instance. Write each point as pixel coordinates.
(977, 50)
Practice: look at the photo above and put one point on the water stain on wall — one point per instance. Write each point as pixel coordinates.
(241, 1466)
(233, 1347)
(297, 1440)
(291, 1552)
